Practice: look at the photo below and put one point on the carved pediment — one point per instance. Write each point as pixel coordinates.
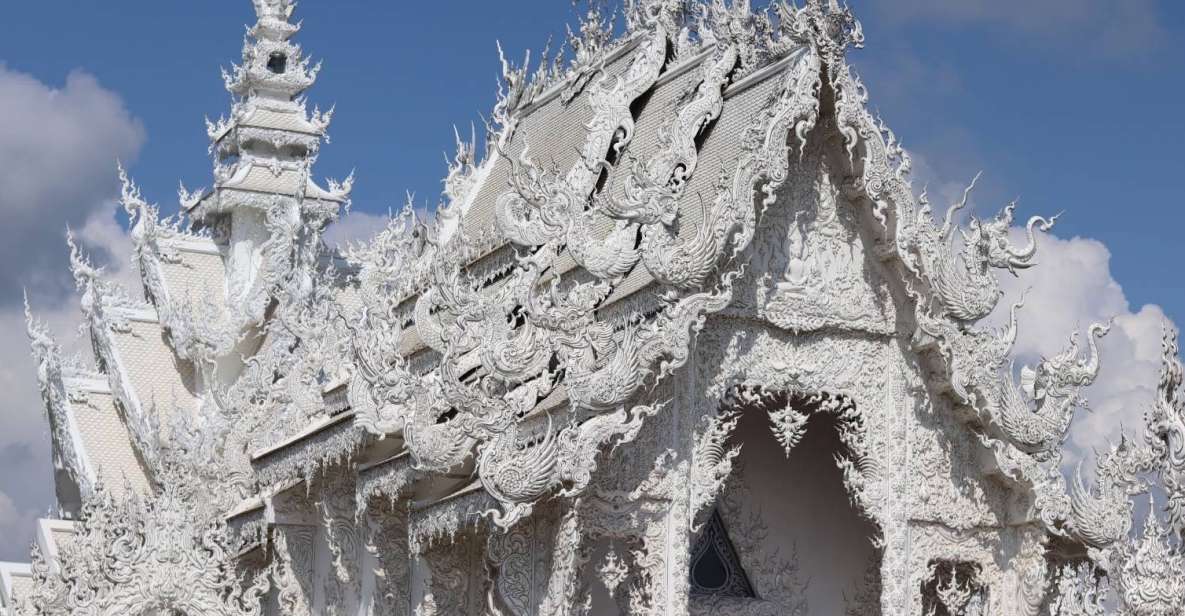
(821, 275)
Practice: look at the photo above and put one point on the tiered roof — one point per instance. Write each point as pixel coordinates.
(164, 361)
(482, 362)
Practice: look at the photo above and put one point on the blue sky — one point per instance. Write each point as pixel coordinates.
(1071, 105)
(1066, 114)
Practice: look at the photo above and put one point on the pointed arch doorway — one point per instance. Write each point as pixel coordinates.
(785, 510)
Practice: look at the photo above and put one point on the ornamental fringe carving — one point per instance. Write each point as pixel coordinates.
(515, 414)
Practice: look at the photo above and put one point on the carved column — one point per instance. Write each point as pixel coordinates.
(450, 577)
(887, 446)
(387, 570)
(340, 547)
(519, 561)
(292, 578)
(565, 590)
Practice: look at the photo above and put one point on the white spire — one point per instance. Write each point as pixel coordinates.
(269, 126)
(272, 66)
(265, 204)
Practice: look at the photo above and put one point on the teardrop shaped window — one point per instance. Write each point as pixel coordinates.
(715, 568)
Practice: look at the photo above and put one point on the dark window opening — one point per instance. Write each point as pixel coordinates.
(518, 317)
(715, 568)
(277, 63)
(703, 134)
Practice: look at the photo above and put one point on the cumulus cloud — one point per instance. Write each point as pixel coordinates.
(58, 148)
(1131, 27)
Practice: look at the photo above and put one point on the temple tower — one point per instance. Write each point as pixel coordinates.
(265, 205)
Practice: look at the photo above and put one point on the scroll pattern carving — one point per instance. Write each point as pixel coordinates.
(292, 569)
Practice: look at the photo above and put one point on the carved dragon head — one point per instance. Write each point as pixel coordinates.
(987, 244)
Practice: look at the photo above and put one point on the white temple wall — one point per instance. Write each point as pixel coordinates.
(341, 547)
(1005, 570)
(952, 486)
(912, 463)
(519, 560)
(248, 234)
(815, 316)
(387, 568)
(623, 544)
(966, 523)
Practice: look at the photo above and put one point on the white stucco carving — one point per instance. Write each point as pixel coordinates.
(529, 403)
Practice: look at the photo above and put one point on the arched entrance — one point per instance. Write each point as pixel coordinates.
(786, 503)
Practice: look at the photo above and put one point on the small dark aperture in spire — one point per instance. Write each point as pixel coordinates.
(277, 62)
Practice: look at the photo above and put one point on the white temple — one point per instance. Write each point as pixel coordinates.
(684, 341)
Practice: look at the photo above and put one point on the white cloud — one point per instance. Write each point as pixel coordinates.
(58, 148)
(355, 227)
(1130, 27)
(16, 522)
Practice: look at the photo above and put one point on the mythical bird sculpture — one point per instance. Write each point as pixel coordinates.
(963, 282)
(517, 474)
(1102, 516)
(1036, 415)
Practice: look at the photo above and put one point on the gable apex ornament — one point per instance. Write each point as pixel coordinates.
(826, 25)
